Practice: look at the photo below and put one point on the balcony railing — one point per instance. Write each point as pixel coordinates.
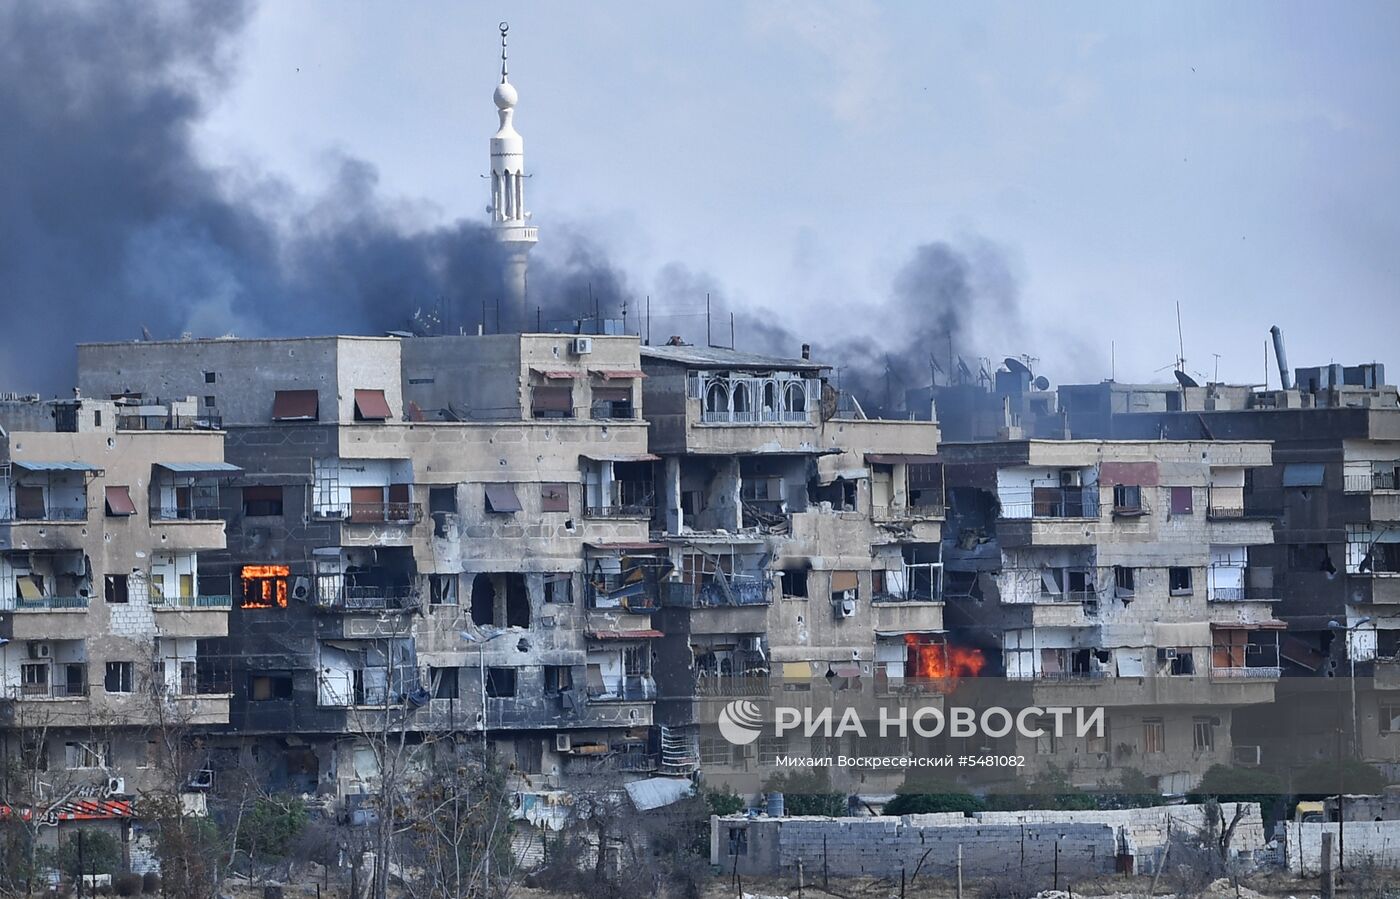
(1230, 504)
(368, 598)
(385, 513)
(1369, 483)
(49, 603)
(1261, 672)
(186, 513)
(755, 684)
(906, 513)
(630, 510)
(58, 690)
(1240, 594)
(632, 688)
(188, 603)
(1088, 594)
(726, 416)
(1054, 504)
(742, 591)
(1069, 677)
(57, 513)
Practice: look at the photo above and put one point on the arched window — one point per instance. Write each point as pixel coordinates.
(742, 401)
(770, 398)
(716, 398)
(796, 397)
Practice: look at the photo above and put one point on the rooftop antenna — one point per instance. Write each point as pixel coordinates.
(1180, 343)
(1217, 367)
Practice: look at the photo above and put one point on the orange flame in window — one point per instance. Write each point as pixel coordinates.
(265, 586)
(930, 659)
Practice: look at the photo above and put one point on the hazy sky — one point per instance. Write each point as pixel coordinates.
(1236, 157)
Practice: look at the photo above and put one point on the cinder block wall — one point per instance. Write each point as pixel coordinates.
(1367, 842)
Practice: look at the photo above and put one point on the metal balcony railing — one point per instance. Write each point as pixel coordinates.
(1369, 483)
(49, 603)
(384, 513)
(909, 512)
(629, 510)
(359, 597)
(1261, 672)
(188, 603)
(741, 591)
(707, 684)
(1230, 504)
(51, 514)
(1240, 594)
(186, 513)
(1055, 504)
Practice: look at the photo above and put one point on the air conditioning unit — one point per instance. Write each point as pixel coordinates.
(846, 608)
(1070, 478)
(563, 743)
(582, 346)
(116, 786)
(301, 589)
(39, 650)
(1166, 654)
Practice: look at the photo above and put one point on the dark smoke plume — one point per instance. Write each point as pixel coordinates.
(111, 223)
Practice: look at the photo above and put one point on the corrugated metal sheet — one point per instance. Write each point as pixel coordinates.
(29, 465)
(199, 467)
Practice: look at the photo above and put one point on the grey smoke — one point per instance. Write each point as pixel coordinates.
(110, 222)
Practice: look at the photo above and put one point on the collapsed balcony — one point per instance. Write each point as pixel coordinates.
(724, 577)
(628, 579)
(361, 579)
(770, 490)
(905, 487)
(371, 673)
(620, 670)
(44, 581)
(45, 491)
(188, 491)
(918, 577)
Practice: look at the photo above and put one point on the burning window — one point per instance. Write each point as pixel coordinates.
(928, 658)
(265, 586)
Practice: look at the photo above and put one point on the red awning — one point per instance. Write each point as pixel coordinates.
(502, 498)
(645, 634)
(119, 501)
(898, 458)
(557, 374)
(370, 405)
(295, 405)
(618, 374)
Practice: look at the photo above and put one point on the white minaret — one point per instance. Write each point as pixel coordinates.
(509, 220)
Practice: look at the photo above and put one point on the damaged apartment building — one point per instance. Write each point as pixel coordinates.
(448, 524)
(806, 544)
(574, 546)
(110, 624)
(1118, 575)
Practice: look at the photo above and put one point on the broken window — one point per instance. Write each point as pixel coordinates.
(517, 601)
(1310, 557)
(612, 402)
(738, 841)
(500, 682)
(558, 588)
(794, 582)
(265, 586)
(444, 682)
(29, 503)
(554, 497)
(1154, 735)
(1203, 734)
(558, 679)
(442, 499)
(442, 589)
(88, 754)
(1182, 501)
(501, 498)
(1127, 499)
(370, 405)
(483, 600)
(114, 588)
(119, 502)
(262, 501)
(548, 401)
(925, 486)
(1124, 581)
(840, 494)
(1183, 663)
(270, 685)
(119, 677)
(295, 405)
(1390, 718)
(1179, 581)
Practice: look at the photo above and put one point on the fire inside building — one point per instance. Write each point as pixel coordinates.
(578, 548)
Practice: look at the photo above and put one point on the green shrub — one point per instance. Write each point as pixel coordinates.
(807, 793)
(150, 883)
(127, 884)
(271, 826)
(929, 803)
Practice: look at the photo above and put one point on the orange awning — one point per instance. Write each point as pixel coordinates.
(370, 405)
(295, 405)
(119, 501)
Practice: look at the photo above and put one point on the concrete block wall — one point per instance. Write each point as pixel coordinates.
(1367, 842)
(994, 844)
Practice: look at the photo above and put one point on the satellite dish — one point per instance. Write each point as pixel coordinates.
(1041, 383)
(1184, 379)
(1016, 365)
